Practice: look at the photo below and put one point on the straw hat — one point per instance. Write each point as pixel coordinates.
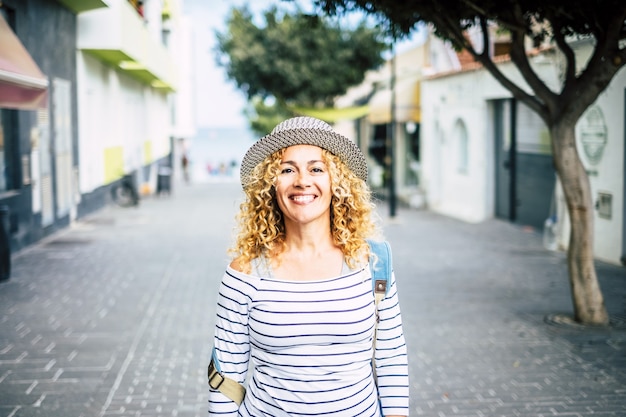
(303, 131)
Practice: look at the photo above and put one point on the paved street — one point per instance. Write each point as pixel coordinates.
(114, 316)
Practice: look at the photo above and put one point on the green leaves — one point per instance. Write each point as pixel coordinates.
(298, 59)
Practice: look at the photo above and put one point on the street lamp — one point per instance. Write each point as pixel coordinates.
(390, 136)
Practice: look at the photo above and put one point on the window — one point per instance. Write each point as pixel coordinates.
(412, 146)
(7, 161)
(378, 146)
(462, 147)
(8, 133)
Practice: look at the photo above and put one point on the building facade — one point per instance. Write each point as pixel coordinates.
(469, 150)
(29, 128)
(390, 139)
(96, 102)
(126, 77)
(487, 155)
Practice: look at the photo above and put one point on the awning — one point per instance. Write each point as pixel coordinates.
(79, 6)
(22, 84)
(332, 115)
(407, 103)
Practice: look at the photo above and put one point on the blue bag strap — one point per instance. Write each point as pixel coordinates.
(381, 267)
(216, 361)
(381, 278)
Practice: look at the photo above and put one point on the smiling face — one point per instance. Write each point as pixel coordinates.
(303, 188)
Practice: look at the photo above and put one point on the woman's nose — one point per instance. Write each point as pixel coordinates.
(302, 179)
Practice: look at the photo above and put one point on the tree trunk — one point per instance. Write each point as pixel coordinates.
(589, 308)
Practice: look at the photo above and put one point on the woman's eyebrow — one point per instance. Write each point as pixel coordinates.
(314, 161)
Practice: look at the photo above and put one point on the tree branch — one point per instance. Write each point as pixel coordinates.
(484, 27)
(570, 57)
(475, 7)
(481, 12)
(520, 59)
(458, 38)
(598, 71)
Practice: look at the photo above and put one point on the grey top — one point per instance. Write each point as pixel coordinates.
(261, 268)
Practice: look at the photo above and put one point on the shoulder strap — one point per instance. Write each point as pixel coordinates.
(229, 387)
(381, 268)
(381, 278)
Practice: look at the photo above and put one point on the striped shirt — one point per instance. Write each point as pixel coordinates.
(309, 346)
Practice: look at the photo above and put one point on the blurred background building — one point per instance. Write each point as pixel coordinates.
(91, 91)
(465, 148)
(95, 91)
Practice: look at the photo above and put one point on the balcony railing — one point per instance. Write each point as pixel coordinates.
(118, 36)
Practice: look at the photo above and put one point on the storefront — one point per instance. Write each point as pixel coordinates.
(37, 116)
(397, 109)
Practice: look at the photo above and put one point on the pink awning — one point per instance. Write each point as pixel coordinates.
(22, 84)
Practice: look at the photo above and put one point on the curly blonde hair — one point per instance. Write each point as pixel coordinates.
(261, 227)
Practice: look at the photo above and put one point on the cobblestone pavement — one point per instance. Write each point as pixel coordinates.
(114, 316)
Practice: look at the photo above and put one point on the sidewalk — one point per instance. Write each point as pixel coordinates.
(475, 300)
(114, 316)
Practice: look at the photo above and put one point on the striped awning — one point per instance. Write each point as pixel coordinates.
(332, 114)
(407, 103)
(22, 84)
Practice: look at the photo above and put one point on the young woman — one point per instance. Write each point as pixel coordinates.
(296, 305)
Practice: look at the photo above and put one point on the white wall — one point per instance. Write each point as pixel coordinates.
(95, 131)
(445, 102)
(182, 51)
(116, 110)
(469, 196)
(464, 97)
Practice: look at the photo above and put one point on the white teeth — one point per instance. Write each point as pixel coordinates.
(303, 198)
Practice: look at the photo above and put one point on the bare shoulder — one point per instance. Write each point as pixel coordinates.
(239, 265)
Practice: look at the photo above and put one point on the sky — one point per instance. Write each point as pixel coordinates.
(218, 102)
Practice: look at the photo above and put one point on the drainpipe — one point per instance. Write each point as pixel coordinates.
(390, 138)
(5, 244)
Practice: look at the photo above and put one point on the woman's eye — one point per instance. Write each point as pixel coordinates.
(286, 170)
(317, 169)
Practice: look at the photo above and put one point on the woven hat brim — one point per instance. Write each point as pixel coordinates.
(333, 142)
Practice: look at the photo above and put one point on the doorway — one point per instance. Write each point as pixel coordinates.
(525, 176)
(504, 136)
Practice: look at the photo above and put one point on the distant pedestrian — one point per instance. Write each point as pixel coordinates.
(296, 304)
(185, 165)
(140, 8)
